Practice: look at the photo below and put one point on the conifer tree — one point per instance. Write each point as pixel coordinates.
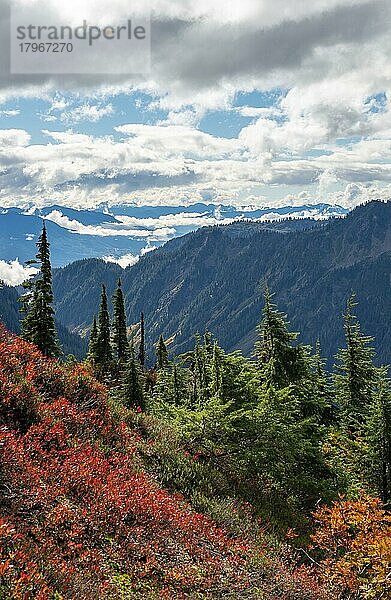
(130, 391)
(200, 374)
(216, 368)
(141, 352)
(357, 378)
(161, 354)
(38, 326)
(171, 390)
(321, 387)
(93, 343)
(103, 351)
(120, 338)
(178, 389)
(378, 439)
(281, 363)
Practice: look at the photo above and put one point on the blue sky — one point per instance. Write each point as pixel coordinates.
(33, 115)
(263, 104)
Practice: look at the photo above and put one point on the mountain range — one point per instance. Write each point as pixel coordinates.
(123, 233)
(214, 279)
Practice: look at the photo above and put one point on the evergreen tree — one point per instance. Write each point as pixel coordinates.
(161, 354)
(38, 326)
(179, 390)
(131, 390)
(321, 388)
(141, 352)
(357, 378)
(378, 439)
(280, 363)
(120, 338)
(103, 346)
(93, 343)
(216, 369)
(200, 374)
(171, 391)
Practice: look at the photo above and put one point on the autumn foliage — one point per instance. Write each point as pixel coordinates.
(80, 519)
(77, 516)
(355, 540)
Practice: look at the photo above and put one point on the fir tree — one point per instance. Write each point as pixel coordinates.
(178, 388)
(200, 373)
(131, 391)
(322, 388)
(171, 390)
(38, 326)
(280, 363)
(216, 368)
(161, 354)
(378, 439)
(103, 350)
(93, 343)
(120, 338)
(357, 378)
(141, 352)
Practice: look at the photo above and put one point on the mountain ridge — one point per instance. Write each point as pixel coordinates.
(211, 279)
(125, 231)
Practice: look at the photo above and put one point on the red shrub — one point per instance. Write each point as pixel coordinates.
(77, 516)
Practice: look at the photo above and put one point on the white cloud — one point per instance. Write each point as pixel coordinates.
(75, 226)
(177, 140)
(14, 137)
(252, 111)
(204, 52)
(123, 261)
(180, 165)
(9, 113)
(128, 260)
(147, 249)
(13, 273)
(175, 220)
(87, 112)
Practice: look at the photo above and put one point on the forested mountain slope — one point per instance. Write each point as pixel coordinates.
(214, 279)
(10, 316)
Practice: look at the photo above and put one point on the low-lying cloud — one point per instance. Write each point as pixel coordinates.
(13, 273)
(75, 226)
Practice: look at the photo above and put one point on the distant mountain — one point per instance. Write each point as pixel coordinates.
(229, 212)
(10, 316)
(214, 278)
(19, 234)
(126, 230)
(85, 217)
(9, 308)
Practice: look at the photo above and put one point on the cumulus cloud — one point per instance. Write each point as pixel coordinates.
(203, 52)
(13, 273)
(180, 165)
(14, 137)
(326, 62)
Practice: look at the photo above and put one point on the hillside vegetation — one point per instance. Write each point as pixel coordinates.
(79, 516)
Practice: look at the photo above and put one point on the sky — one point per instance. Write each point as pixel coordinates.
(246, 103)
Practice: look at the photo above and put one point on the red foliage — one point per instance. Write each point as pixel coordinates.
(76, 516)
